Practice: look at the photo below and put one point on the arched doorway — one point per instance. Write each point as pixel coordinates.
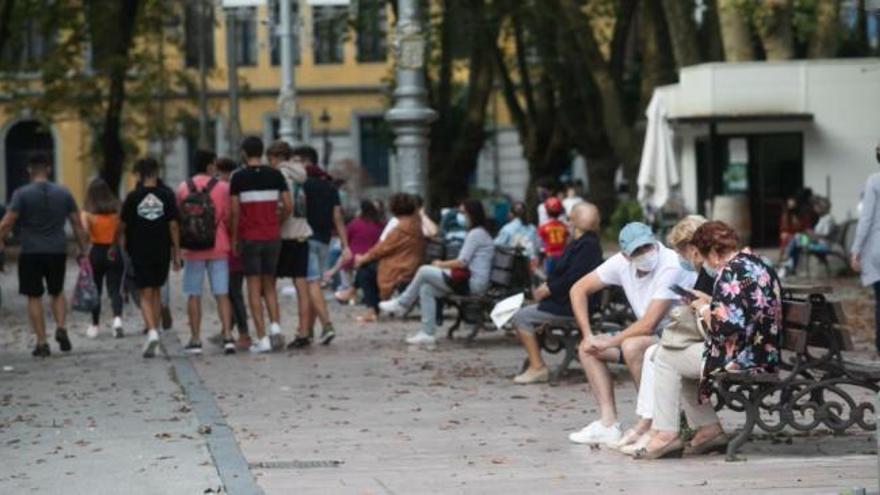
(23, 139)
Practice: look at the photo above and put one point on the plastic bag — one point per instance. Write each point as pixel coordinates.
(85, 294)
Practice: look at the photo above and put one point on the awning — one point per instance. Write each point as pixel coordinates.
(740, 118)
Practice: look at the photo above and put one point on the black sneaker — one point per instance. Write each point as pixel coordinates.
(299, 342)
(41, 350)
(194, 347)
(228, 346)
(166, 318)
(327, 335)
(63, 340)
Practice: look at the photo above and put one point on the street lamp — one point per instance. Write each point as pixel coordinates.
(328, 146)
(410, 117)
(287, 93)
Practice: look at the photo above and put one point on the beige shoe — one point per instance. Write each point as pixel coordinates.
(630, 437)
(530, 376)
(639, 444)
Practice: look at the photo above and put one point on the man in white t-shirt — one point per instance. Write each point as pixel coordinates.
(645, 269)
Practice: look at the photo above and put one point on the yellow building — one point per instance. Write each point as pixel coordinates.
(341, 82)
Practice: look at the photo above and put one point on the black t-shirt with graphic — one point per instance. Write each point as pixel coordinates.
(147, 212)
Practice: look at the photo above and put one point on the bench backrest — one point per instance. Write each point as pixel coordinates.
(510, 269)
(795, 322)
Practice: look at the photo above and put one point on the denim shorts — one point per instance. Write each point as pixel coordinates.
(194, 276)
(317, 260)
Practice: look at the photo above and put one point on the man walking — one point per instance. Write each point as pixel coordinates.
(256, 234)
(324, 214)
(865, 250)
(40, 209)
(204, 234)
(149, 225)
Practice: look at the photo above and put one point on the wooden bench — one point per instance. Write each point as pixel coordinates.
(614, 315)
(509, 275)
(812, 384)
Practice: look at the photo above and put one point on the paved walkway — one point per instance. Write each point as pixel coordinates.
(365, 415)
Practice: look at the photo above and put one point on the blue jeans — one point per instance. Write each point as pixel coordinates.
(429, 285)
(318, 252)
(877, 315)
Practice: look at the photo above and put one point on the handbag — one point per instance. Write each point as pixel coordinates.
(457, 279)
(85, 293)
(684, 330)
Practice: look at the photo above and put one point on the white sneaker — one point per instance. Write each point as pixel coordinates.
(276, 338)
(92, 331)
(117, 327)
(151, 344)
(597, 433)
(262, 345)
(392, 307)
(421, 338)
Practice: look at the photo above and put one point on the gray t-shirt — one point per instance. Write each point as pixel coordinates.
(476, 253)
(43, 208)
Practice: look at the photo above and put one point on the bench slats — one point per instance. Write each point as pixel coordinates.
(795, 340)
(796, 313)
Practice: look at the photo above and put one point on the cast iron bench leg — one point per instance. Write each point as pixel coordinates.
(570, 354)
(752, 413)
(458, 319)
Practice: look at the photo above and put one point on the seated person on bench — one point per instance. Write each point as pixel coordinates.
(394, 260)
(645, 269)
(468, 273)
(743, 321)
(580, 257)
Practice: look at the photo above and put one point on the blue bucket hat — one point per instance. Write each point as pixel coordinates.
(633, 236)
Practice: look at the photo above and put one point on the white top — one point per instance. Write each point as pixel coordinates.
(570, 202)
(640, 291)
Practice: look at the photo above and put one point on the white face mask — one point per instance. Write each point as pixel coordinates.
(647, 262)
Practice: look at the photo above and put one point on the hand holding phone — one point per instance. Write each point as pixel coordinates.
(685, 295)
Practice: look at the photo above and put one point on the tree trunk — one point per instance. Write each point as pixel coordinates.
(658, 61)
(113, 27)
(825, 39)
(773, 20)
(682, 32)
(601, 171)
(710, 34)
(736, 35)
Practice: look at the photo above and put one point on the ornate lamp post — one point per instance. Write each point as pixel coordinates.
(287, 95)
(411, 117)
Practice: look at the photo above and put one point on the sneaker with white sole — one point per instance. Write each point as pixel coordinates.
(117, 327)
(276, 338)
(421, 338)
(193, 347)
(597, 433)
(392, 307)
(532, 376)
(92, 332)
(262, 345)
(151, 344)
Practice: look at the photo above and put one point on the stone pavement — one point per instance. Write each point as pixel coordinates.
(365, 415)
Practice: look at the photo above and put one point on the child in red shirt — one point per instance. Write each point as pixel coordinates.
(553, 233)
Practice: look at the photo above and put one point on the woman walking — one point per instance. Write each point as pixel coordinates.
(101, 219)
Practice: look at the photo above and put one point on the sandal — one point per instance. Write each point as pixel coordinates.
(716, 444)
(630, 437)
(366, 318)
(673, 449)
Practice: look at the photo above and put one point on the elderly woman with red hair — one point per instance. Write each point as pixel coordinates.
(743, 322)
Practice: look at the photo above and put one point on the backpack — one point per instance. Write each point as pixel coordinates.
(198, 220)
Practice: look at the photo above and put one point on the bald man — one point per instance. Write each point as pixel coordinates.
(580, 257)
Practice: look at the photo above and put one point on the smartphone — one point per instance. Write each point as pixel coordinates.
(687, 296)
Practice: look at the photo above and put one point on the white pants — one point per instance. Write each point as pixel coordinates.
(645, 400)
(677, 379)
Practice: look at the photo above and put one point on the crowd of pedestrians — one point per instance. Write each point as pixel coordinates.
(702, 302)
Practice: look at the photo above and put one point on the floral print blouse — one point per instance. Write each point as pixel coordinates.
(746, 320)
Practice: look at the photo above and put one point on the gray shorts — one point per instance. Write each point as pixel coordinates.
(260, 257)
(530, 319)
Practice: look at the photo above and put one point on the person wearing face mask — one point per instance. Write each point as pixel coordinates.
(679, 238)
(468, 272)
(743, 322)
(865, 251)
(646, 270)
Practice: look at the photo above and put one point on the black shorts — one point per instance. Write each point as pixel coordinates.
(293, 261)
(150, 273)
(34, 268)
(260, 257)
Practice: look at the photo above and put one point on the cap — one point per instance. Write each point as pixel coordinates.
(553, 206)
(635, 235)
